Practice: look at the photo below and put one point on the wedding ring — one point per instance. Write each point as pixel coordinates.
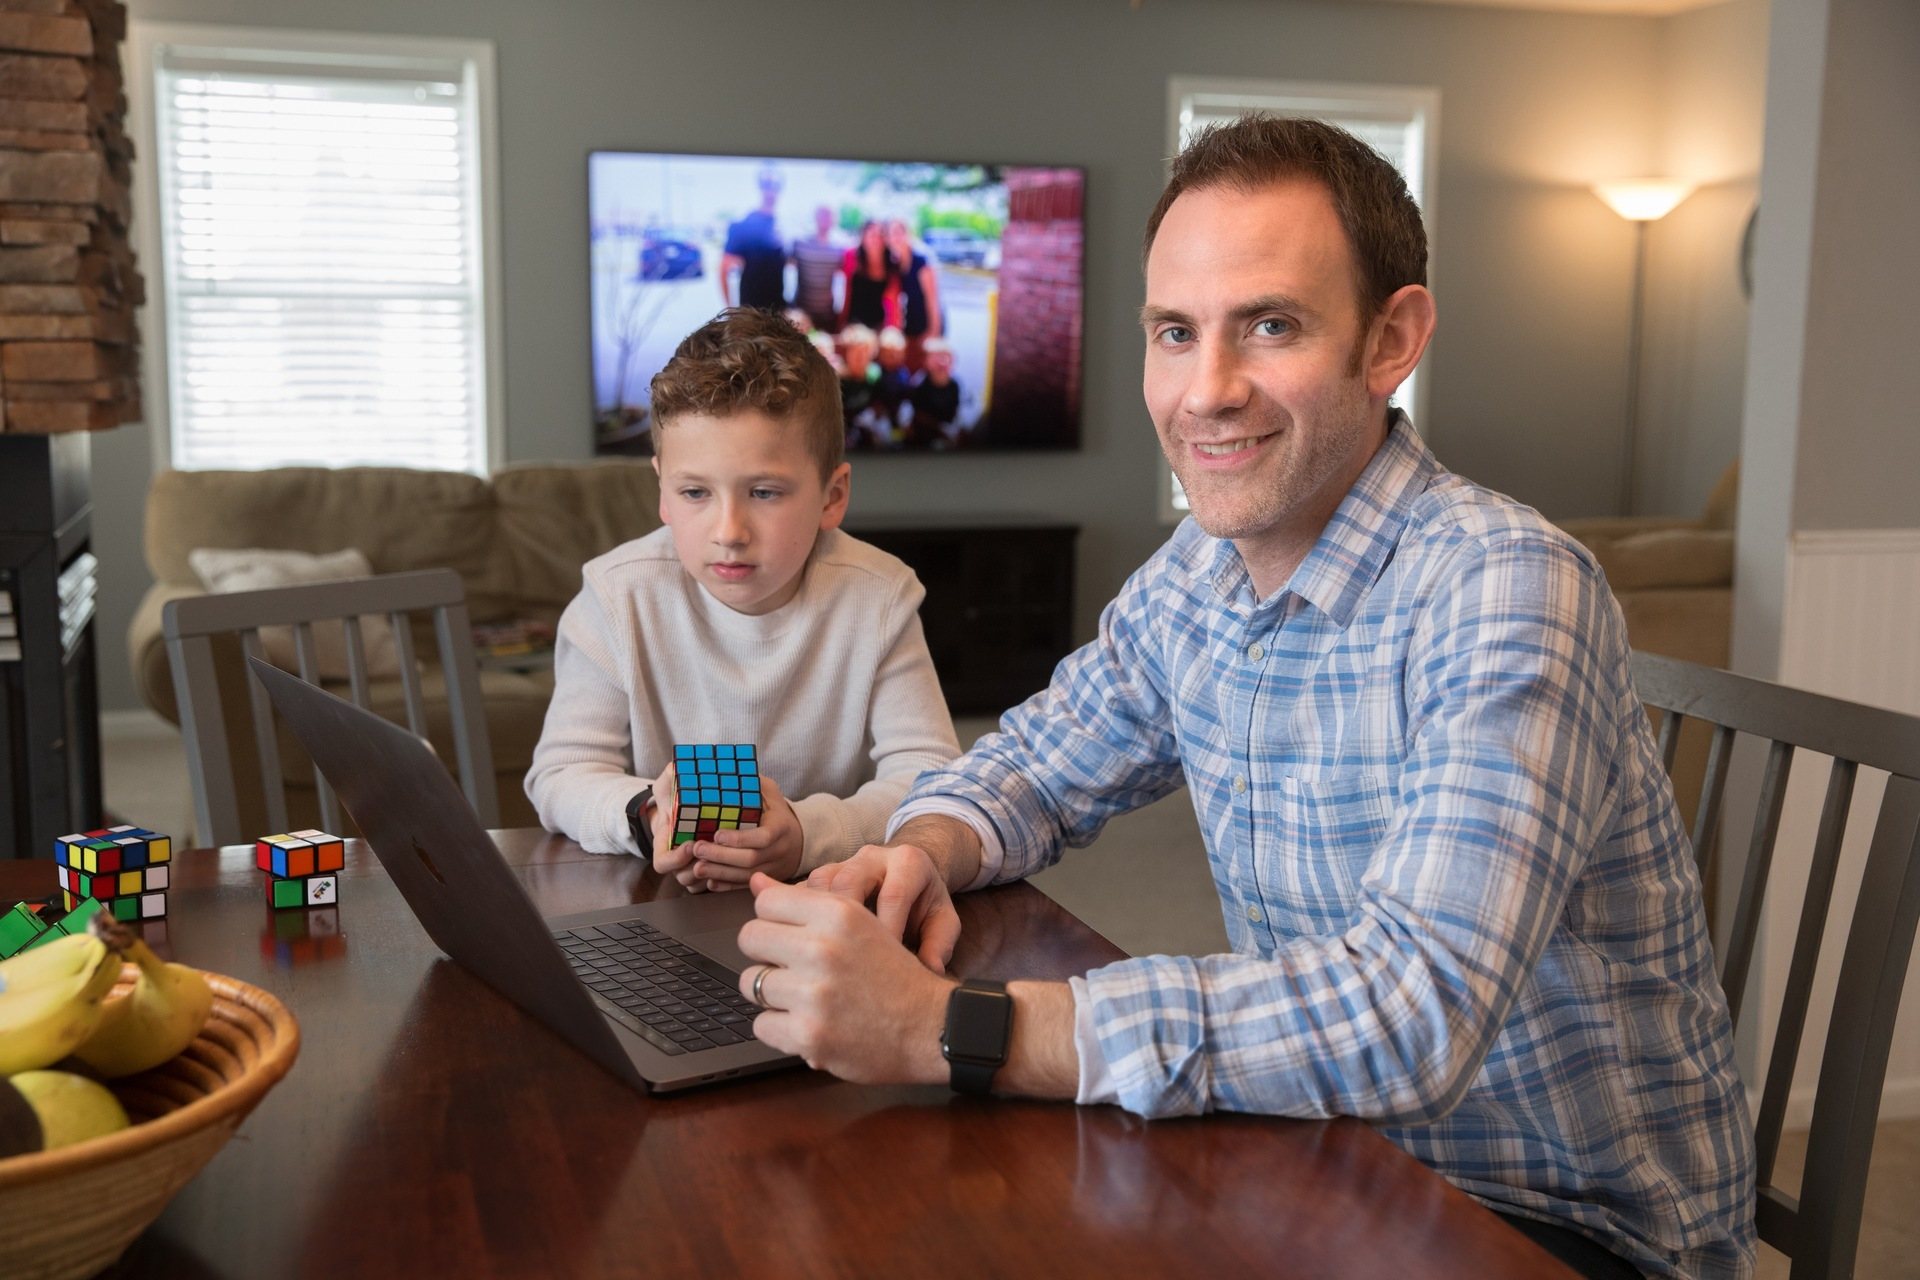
(759, 980)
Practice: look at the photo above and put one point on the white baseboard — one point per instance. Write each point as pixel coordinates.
(138, 725)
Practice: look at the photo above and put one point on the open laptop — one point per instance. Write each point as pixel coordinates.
(650, 991)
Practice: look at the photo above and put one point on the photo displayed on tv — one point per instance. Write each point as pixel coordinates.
(947, 297)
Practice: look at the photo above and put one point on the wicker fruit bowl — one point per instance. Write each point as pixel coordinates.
(71, 1211)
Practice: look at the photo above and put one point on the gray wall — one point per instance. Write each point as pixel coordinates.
(1714, 75)
(1859, 450)
(1528, 369)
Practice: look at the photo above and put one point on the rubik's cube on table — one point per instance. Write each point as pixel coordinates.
(27, 925)
(303, 868)
(719, 787)
(125, 868)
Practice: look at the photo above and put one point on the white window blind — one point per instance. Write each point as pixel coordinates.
(1398, 123)
(322, 257)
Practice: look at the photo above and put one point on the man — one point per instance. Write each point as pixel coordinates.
(816, 261)
(753, 249)
(1461, 903)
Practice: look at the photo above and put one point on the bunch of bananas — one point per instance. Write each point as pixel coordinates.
(54, 1006)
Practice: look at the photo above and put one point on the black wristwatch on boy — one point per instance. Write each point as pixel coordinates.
(979, 1025)
(638, 825)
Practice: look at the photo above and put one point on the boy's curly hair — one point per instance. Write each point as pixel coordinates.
(745, 359)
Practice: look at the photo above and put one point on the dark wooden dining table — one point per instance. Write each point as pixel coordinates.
(430, 1128)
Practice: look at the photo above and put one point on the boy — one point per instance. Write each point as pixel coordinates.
(748, 618)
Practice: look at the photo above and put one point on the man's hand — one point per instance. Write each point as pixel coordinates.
(729, 859)
(842, 992)
(909, 897)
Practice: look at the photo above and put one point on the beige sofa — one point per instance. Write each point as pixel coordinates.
(1673, 577)
(517, 538)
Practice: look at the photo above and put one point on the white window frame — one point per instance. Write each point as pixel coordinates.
(145, 40)
(1415, 106)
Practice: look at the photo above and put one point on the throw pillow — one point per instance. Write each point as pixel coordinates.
(225, 570)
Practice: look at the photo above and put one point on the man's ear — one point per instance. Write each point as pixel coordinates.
(839, 492)
(1398, 338)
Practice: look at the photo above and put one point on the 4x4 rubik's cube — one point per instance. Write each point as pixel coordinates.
(125, 868)
(719, 789)
(303, 868)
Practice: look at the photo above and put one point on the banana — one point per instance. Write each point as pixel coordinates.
(70, 1108)
(150, 1024)
(51, 1000)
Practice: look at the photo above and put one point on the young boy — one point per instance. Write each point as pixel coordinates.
(749, 618)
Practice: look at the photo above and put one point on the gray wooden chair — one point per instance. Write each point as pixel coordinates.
(1820, 1230)
(191, 626)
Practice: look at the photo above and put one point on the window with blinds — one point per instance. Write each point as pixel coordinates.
(325, 300)
(1398, 123)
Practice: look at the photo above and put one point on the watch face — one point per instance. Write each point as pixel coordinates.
(977, 1023)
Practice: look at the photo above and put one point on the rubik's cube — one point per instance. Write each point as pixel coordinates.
(26, 926)
(303, 868)
(719, 789)
(125, 868)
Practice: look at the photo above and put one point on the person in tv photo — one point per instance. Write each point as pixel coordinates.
(873, 280)
(748, 617)
(859, 382)
(817, 260)
(1460, 900)
(933, 397)
(754, 251)
(920, 316)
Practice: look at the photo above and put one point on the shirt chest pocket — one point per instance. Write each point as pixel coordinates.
(1315, 844)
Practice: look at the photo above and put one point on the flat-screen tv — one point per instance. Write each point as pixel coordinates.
(947, 296)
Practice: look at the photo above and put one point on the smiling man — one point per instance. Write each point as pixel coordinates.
(1461, 903)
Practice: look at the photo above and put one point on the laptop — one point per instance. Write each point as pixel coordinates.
(650, 991)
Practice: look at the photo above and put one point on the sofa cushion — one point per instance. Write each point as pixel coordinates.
(262, 568)
(550, 519)
(1666, 559)
(402, 519)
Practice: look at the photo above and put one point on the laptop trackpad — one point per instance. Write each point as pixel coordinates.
(722, 945)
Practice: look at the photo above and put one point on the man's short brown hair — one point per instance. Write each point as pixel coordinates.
(747, 359)
(1377, 212)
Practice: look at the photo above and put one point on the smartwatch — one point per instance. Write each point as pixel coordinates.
(979, 1024)
(637, 824)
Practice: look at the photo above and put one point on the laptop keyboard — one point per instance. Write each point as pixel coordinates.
(660, 988)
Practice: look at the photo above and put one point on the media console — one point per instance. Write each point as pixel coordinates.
(999, 608)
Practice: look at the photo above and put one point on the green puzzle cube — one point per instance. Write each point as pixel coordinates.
(18, 930)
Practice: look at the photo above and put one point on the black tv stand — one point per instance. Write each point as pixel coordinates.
(999, 608)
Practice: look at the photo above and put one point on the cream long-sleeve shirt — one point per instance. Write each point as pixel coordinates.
(835, 688)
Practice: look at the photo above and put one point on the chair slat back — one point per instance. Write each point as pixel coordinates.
(1820, 1229)
(191, 624)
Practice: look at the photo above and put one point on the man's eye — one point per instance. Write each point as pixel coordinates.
(766, 495)
(1175, 334)
(693, 495)
(1274, 328)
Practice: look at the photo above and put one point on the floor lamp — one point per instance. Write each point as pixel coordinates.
(1640, 202)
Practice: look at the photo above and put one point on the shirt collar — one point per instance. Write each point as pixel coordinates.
(1357, 542)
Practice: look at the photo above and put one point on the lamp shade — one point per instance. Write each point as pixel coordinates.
(1642, 199)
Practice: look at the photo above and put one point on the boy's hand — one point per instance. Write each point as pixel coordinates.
(729, 859)
(666, 858)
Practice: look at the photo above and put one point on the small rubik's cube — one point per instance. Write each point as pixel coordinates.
(19, 928)
(303, 868)
(719, 789)
(125, 868)
(14, 926)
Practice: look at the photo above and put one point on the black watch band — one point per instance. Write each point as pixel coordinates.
(979, 1028)
(637, 824)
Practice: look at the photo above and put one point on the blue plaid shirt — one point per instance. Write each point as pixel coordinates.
(1461, 901)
